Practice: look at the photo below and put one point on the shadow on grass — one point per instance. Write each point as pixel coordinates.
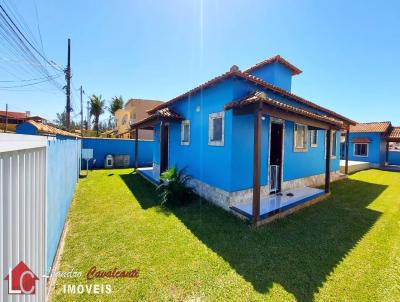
(297, 252)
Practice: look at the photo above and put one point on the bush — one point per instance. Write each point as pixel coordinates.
(174, 187)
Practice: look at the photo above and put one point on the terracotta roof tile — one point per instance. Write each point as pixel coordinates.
(261, 96)
(14, 115)
(254, 79)
(167, 113)
(379, 127)
(278, 58)
(361, 140)
(394, 134)
(47, 129)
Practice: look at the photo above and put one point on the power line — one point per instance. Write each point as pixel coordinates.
(33, 47)
(24, 85)
(20, 48)
(30, 80)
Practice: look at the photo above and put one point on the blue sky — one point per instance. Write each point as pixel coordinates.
(348, 50)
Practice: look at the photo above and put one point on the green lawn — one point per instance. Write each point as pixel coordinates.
(346, 248)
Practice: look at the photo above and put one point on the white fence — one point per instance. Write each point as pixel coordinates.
(23, 173)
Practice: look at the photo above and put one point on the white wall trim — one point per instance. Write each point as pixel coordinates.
(212, 116)
(354, 149)
(13, 142)
(183, 123)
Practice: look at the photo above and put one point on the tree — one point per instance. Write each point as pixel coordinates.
(96, 109)
(116, 103)
(60, 121)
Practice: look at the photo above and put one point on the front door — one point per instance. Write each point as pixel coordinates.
(275, 157)
(164, 147)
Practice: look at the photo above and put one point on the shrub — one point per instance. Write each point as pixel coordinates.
(174, 187)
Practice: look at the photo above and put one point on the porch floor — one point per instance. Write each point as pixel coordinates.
(275, 203)
(149, 174)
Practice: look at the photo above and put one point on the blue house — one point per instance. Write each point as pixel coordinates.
(250, 144)
(369, 142)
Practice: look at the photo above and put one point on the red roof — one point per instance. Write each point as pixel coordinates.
(14, 115)
(165, 113)
(279, 59)
(262, 97)
(361, 140)
(394, 134)
(48, 129)
(379, 127)
(255, 80)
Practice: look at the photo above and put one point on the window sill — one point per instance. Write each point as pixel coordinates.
(216, 143)
(185, 143)
(300, 150)
(314, 146)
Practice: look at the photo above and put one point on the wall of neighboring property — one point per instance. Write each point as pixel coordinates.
(276, 74)
(104, 146)
(62, 176)
(376, 148)
(394, 157)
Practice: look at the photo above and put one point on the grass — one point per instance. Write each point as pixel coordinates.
(346, 248)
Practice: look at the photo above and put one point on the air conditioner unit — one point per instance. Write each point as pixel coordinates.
(109, 161)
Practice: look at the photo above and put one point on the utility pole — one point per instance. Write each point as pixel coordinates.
(6, 118)
(68, 79)
(81, 114)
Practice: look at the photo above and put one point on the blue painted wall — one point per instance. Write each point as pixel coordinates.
(26, 128)
(63, 172)
(103, 146)
(210, 164)
(311, 162)
(230, 167)
(275, 74)
(394, 157)
(376, 148)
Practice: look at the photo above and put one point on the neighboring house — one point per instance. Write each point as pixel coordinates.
(369, 142)
(244, 135)
(133, 111)
(37, 128)
(12, 119)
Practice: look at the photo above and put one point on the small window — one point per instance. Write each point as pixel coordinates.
(300, 138)
(314, 138)
(333, 144)
(361, 149)
(185, 132)
(216, 129)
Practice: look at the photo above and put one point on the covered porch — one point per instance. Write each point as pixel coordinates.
(277, 204)
(162, 118)
(280, 204)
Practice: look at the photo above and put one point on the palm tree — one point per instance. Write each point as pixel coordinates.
(96, 109)
(116, 103)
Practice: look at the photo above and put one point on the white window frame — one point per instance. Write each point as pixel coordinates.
(211, 117)
(354, 150)
(183, 124)
(311, 138)
(304, 148)
(333, 135)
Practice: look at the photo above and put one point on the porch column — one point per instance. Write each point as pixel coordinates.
(328, 161)
(346, 167)
(136, 147)
(256, 162)
(387, 154)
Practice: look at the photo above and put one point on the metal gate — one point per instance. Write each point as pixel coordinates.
(23, 169)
